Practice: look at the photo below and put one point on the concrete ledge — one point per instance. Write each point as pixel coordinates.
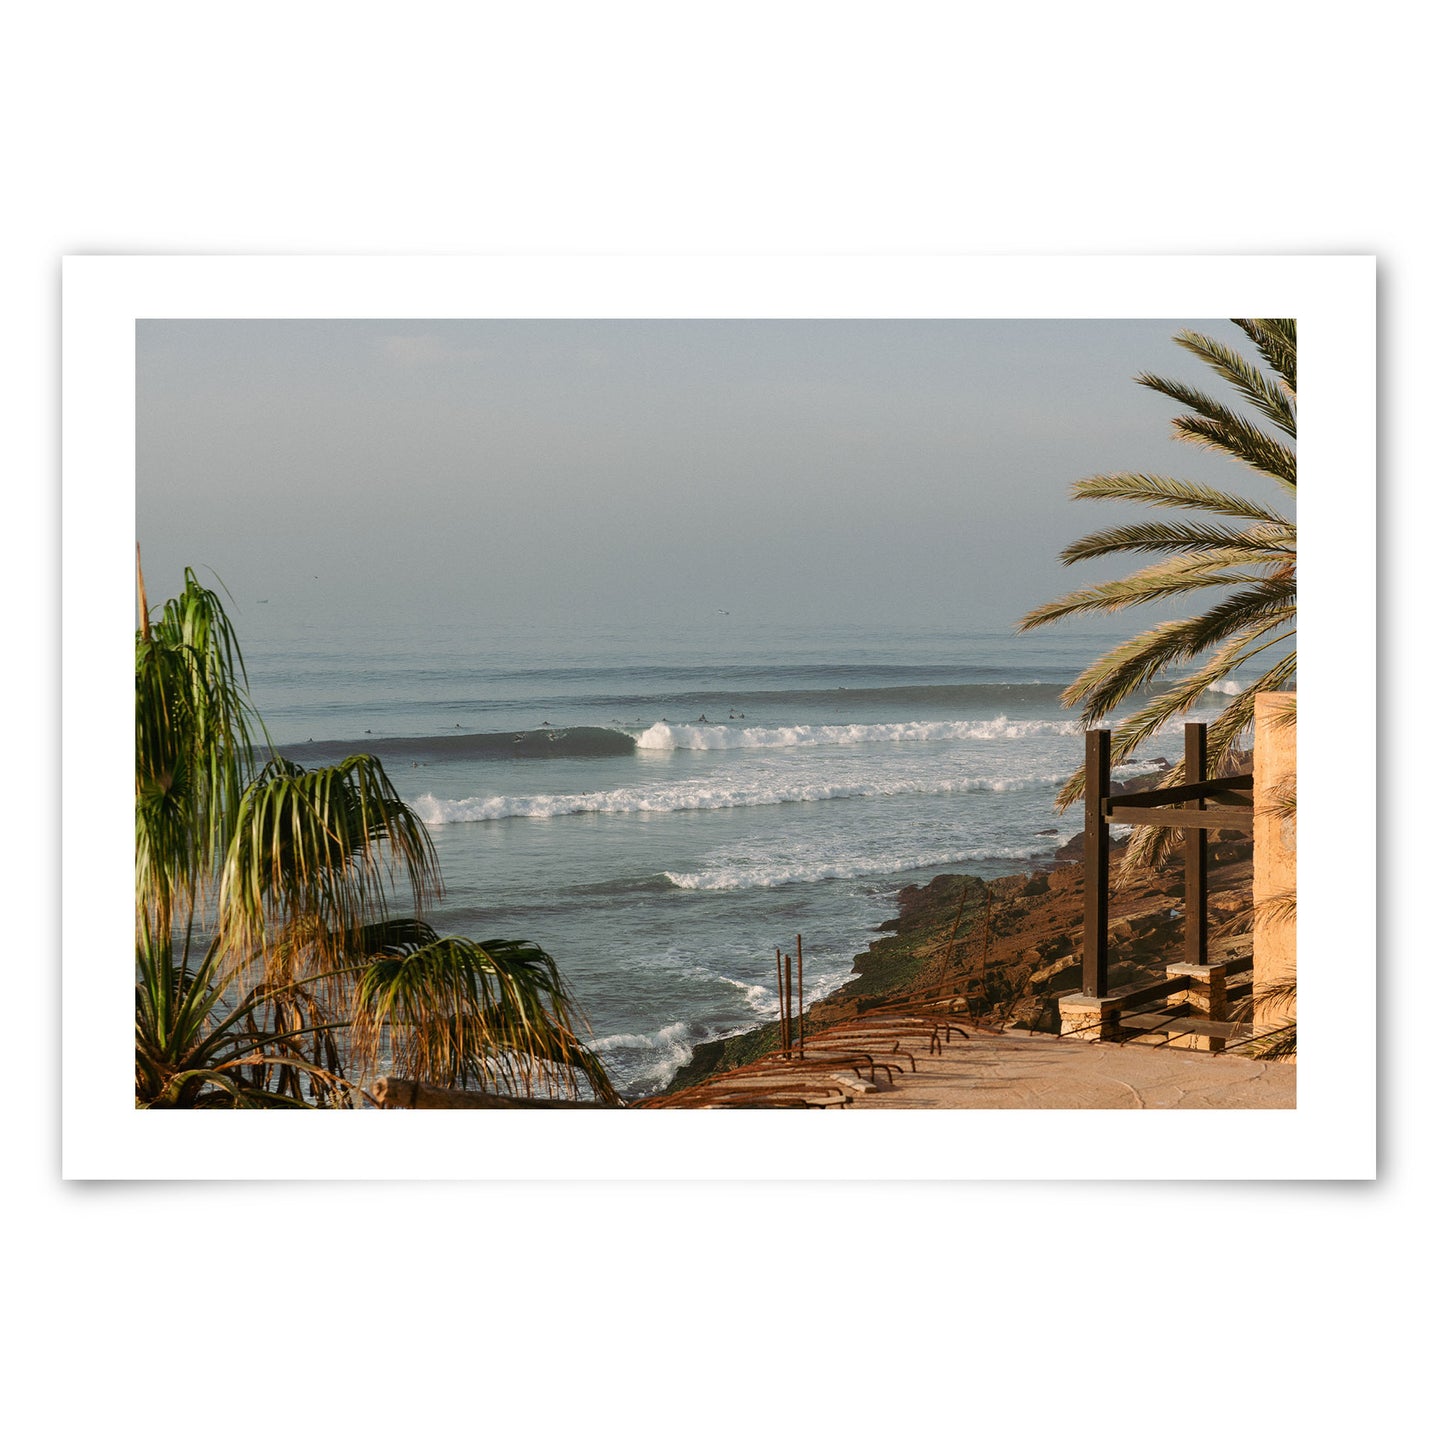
(1202, 971)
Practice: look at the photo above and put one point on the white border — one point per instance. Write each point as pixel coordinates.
(1331, 1134)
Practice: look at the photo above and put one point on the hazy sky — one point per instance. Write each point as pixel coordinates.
(626, 470)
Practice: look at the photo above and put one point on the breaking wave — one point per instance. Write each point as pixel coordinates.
(698, 795)
(704, 737)
(647, 1061)
(579, 742)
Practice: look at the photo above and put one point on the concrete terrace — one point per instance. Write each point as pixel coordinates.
(900, 1062)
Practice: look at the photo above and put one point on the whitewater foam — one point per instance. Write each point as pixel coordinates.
(710, 737)
(755, 996)
(706, 737)
(663, 1052)
(775, 875)
(698, 796)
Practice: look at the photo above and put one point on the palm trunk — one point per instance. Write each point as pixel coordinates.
(140, 582)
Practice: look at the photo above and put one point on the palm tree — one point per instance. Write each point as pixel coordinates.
(268, 968)
(1234, 553)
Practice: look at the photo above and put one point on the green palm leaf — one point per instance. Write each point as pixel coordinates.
(458, 1013)
(286, 876)
(1252, 613)
(1162, 582)
(321, 850)
(1171, 492)
(1265, 537)
(195, 732)
(193, 1038)
(1276, 342)
(1273, 397)
(1242, 442)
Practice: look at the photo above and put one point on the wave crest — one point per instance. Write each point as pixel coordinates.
(706, 737)
(702, 796)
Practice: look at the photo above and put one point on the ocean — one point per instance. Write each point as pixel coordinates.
(662, 811)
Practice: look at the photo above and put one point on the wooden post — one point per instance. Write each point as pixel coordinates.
(1096, 863)
(800, 995)
(1196, 856)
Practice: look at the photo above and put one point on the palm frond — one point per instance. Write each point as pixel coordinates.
(1277, 909)
(1241, 442)
(1273, 399)
(1268, 1001)
(491, 1014)
(1277, 342)
(1282, 992)
(321, 850)
(1135, 664)
(1252, 566)
(1271, 540)
(1176, 577)
(1148, 847)
(1288, 715)
(1173, 702)
(1157, 491)
(195, 744)
(1279, 801)
(1276, 1046)
(193, 1035)
(295, 870)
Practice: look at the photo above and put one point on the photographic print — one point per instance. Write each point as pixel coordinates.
(636, 717)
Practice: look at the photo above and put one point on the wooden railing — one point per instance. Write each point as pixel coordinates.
(1195, 805)
(1134, 1011)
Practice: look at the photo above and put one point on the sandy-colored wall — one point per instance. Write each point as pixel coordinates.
(1274, 847)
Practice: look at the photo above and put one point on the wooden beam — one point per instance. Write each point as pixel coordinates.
(1095, 982)
(1213, 1028)
(1196, 856)
(1243, 783)
(1241, 819)
(1229, 798)
(1128, 998)
(1170, 1024)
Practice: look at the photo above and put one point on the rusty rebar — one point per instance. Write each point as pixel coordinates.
(787, 1006)
(800, 995)
(782, 1015)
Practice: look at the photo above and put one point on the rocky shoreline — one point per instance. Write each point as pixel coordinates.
(1008, 946)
